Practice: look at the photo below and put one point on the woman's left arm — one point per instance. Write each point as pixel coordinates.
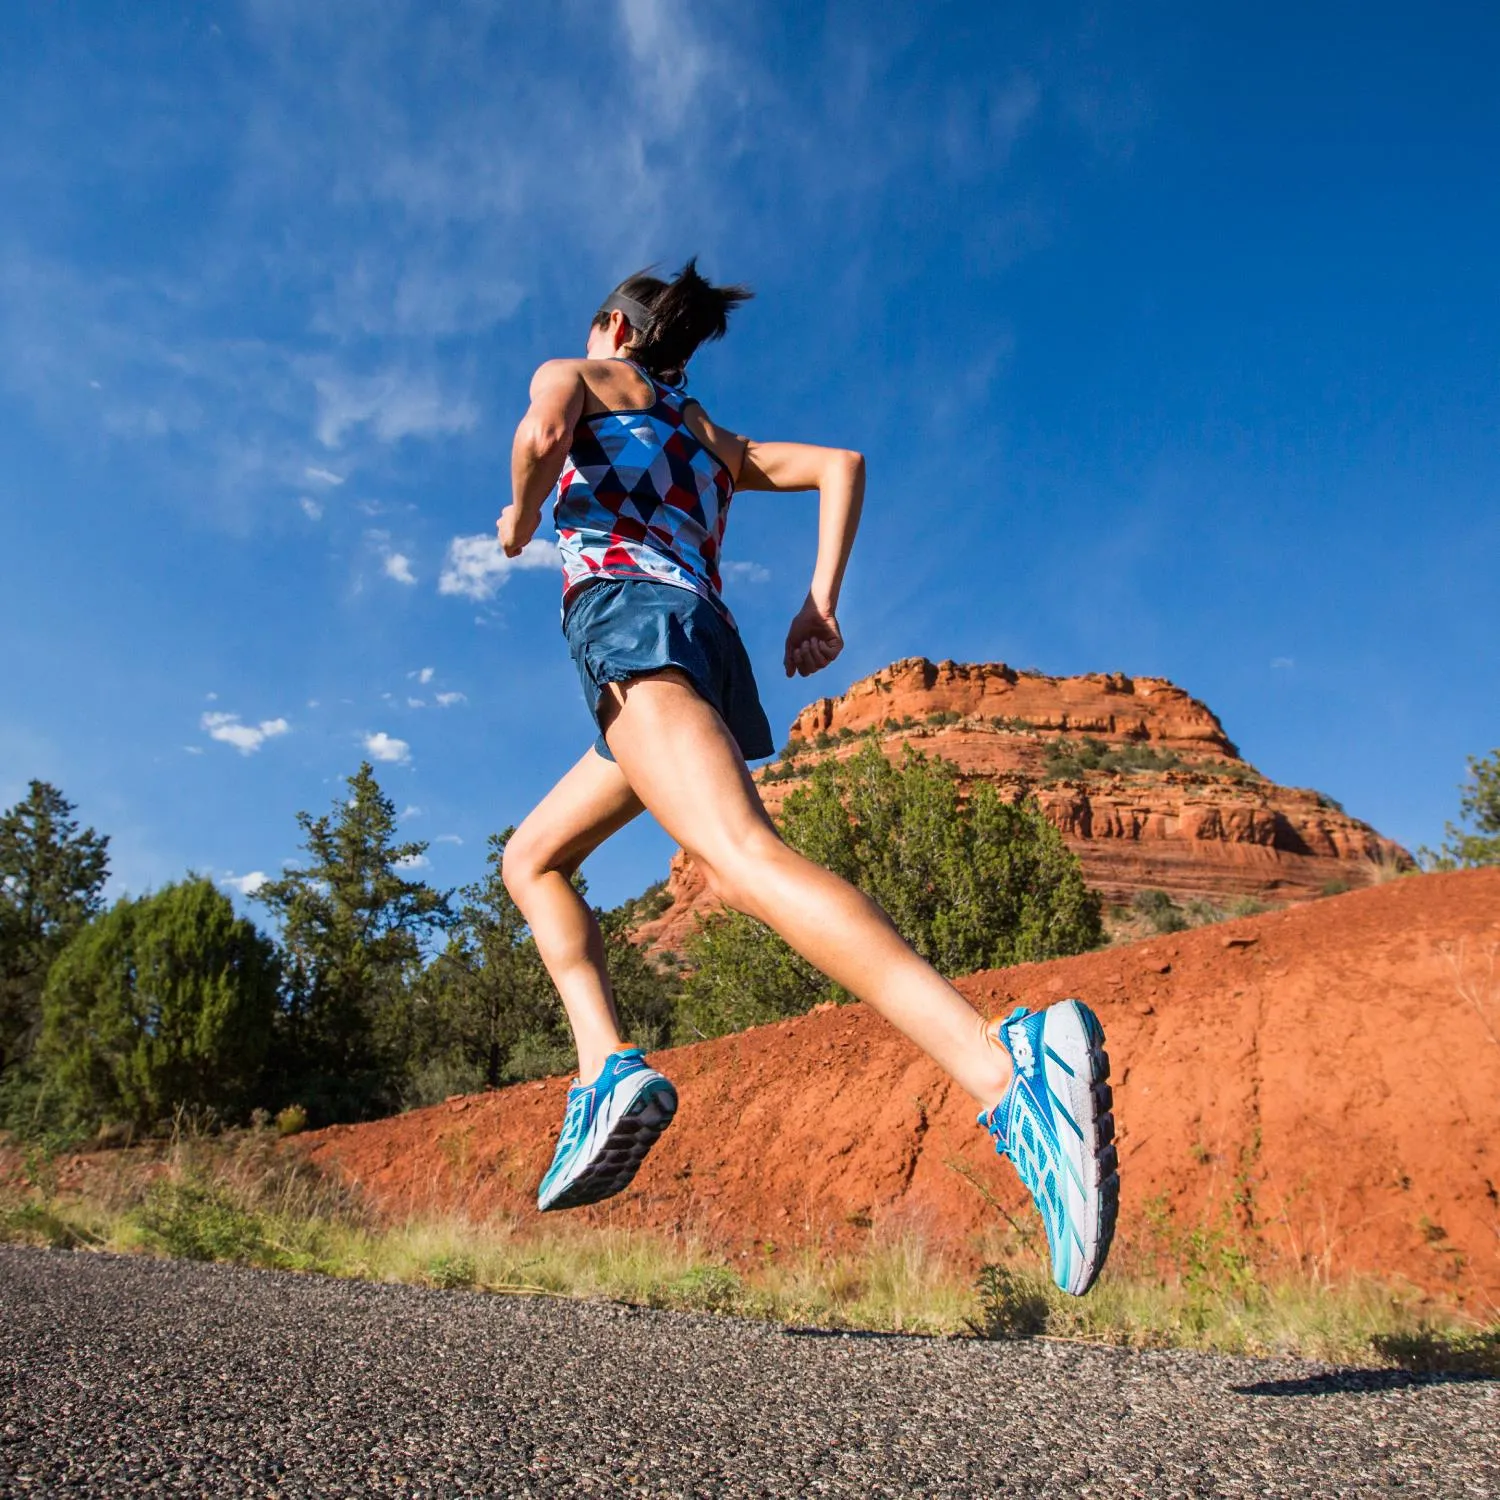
(540, 449)
(838, 475)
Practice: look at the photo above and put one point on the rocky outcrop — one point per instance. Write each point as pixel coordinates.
(1137, 775)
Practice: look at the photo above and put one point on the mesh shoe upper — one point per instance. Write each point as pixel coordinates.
(1053, 1125)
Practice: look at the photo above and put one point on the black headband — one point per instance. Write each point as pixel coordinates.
(638, 313)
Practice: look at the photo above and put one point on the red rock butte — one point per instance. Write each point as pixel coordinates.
(1137, 775)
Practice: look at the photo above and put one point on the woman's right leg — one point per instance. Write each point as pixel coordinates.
(682, 763)
(591, 802)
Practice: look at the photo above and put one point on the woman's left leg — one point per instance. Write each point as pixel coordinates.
(591, 802)
(687, 769)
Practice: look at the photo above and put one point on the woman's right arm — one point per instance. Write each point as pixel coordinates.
(541, 448)
(838, 475)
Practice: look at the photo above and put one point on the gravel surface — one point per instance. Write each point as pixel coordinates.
(127, 1376)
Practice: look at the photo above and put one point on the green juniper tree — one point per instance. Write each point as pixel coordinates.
(492, 1015)
(51, 882)
(489, 994)
(353, 920)
(1479, 844)
(162, 1002)
(970, 883)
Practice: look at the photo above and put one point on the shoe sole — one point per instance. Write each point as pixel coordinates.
(619, 1158)
(1090, 1101)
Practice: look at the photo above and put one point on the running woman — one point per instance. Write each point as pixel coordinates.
(643, 478)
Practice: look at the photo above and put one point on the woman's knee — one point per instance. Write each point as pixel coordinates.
(736, 875)
(527, 858)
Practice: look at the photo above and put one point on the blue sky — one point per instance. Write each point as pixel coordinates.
(1169, 332)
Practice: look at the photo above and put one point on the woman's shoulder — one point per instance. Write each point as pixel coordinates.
(723, 442)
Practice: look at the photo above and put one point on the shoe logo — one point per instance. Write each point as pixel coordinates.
(1020, 1049)
(577, 1118)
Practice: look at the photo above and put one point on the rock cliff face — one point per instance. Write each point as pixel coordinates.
(1137, 775)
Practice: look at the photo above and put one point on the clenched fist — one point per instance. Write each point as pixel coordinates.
(513, 535)
(813, 641)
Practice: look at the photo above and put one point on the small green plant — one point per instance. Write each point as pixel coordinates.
(943, 717)
(1337, 886)
(1011, 1306)
(708, 1289)
(451, 1272)
(1159, 909)
(1246, 906)
(1332, 804)
(200, 1221)
(32, 1223)
(291, 1121)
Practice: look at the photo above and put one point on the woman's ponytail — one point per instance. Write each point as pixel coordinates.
(683, 313)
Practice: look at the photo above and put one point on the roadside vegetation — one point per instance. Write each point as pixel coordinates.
(241, 1198)
(372, 992)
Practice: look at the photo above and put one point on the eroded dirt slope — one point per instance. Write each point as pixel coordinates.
(1326, 1077)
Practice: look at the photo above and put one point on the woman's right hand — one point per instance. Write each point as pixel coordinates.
(512, 531)
(813, 641)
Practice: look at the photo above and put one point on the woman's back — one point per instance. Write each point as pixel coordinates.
(642, 494)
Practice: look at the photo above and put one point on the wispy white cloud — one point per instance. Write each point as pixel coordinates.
(386, 747)
(424, 675)
(413, 862)
(398, 566)
(476, 566)
(747, 572)
(416, 703)
(246, 885)
(447, 700)
(392, 406)
(311, 508)
(447, 838)
(410, 811)
(670, 58)
(246, 738)
(323, 476)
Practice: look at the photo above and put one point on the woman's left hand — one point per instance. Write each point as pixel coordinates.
(813, 641)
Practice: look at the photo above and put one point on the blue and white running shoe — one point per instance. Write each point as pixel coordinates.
(1055, 1125)
(610, 1126)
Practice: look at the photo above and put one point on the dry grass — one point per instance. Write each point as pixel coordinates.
(1476, 980)
(241, 1200)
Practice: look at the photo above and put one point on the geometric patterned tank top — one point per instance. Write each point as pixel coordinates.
(641, 498)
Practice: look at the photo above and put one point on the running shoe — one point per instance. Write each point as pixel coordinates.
(610, 1126)
(1055, 1125)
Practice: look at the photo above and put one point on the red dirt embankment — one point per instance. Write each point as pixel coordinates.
(1326, 1077)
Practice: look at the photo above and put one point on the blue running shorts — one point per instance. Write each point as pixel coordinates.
(623, 628)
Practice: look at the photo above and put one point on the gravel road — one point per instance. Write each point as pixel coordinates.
(123, 1376)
